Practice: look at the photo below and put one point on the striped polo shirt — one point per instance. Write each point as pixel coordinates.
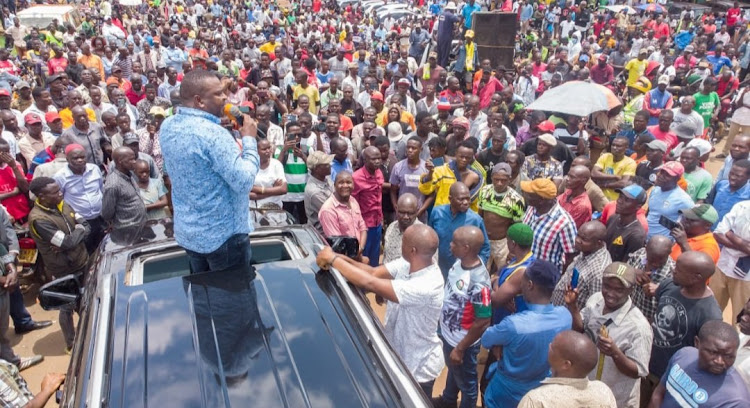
(295, 171)
(554, 234)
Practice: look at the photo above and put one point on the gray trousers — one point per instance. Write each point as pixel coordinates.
(6, 351)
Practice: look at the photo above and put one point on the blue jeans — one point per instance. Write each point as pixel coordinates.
(19, 314)
(462, 377)
(235, 252)
(372, 246)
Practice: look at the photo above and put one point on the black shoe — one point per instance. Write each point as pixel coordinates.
(439, 402)
(34, 326)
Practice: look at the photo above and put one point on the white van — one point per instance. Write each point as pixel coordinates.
(42, 16)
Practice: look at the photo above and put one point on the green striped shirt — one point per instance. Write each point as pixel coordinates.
(295, 171)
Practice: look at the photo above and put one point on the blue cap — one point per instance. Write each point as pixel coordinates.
(584, 58)
(633, 192)
(543, 273)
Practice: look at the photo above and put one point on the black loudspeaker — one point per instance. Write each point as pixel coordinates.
(495, 35)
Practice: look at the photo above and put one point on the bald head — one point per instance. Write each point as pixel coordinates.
(121, 153)
(407, 201)
(423, 239)
(572, 355)
(469, 236)
(659, 245)
(580, 171)
(696, 263)
(582, 161)
(593, 230)
(458, 188)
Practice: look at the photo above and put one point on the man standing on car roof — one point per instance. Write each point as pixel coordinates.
(59, 234)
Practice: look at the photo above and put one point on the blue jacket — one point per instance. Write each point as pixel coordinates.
(460, 64)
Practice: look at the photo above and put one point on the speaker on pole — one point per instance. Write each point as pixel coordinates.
(495, 35)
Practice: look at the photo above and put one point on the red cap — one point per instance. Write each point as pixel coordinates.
(32, 118)
(249, 104)
(673, 168)
(547, 126)
(377, 96)
(51, 117)
(4, 92)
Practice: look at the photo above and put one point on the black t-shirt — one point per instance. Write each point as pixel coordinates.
(645, 175)
(621, 242)
(352, 110)
(488, 160)
(676, 323)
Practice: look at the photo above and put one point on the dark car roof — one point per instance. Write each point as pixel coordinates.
(280, 337)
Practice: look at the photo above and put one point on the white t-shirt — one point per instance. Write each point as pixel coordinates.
(265, 178)
(467, 298)
(411, 324)
(565, 27)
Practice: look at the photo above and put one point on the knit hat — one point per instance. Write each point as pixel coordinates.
(73, 146)
(521, 234)
(462, 122)
(544, 188)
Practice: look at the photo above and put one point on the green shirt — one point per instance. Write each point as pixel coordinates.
(509, 204)
(705, 105)
(699, 184)
(295, 171)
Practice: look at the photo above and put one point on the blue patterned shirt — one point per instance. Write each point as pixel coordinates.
(211, 179)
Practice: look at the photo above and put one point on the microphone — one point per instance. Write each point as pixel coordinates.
(234, 113)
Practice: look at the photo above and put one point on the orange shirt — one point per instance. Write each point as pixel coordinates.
(705, 243)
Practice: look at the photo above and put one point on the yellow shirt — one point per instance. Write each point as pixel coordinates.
(635, 70)
(67, 117)
(440, 184)
(624, 167)
(312, 93)
(268, 47)
(406, 117)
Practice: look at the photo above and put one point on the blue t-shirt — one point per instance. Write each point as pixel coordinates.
(723, 199)
(667, 204)
(689, 386)
(445, 27)
(467, 12)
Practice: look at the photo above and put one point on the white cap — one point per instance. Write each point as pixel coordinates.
(451, 6)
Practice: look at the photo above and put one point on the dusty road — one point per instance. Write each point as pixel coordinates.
(49, 341)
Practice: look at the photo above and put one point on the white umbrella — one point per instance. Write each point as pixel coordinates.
(617, 9)
(573, 98)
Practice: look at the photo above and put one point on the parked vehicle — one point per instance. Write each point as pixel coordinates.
(283, 335)
(42, 16)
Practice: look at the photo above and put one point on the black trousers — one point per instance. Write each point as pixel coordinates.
(96, 235)
(297, 209)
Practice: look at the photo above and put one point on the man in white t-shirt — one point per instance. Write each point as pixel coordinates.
(413, 286)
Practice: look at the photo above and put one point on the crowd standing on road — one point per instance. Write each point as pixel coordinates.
(589, 250)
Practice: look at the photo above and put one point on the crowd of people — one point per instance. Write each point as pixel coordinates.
(591, 255)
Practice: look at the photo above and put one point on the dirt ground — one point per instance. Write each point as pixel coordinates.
(49, 341)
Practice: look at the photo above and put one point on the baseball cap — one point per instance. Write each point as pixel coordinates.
(704, 212)
(543, 273)
(157, 111)
(502, 167)
(316, 158)
(377, 96)
(404, 81)
(401, 61)
(22, 84)
(672, 168)
(664, 79)
(689, 48)
(353, 65)
(32, 118)
(549, 139)
(4, 92)
(685, 130)
(521, 233)
(703, 146)
(621, 271)
(469, 34)
(544, 188)
(584, 58)
(546, 126)
(633, 192)
(603, 57)
(432, 54)
(129, 138)
(51, 117)
(657, 145)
